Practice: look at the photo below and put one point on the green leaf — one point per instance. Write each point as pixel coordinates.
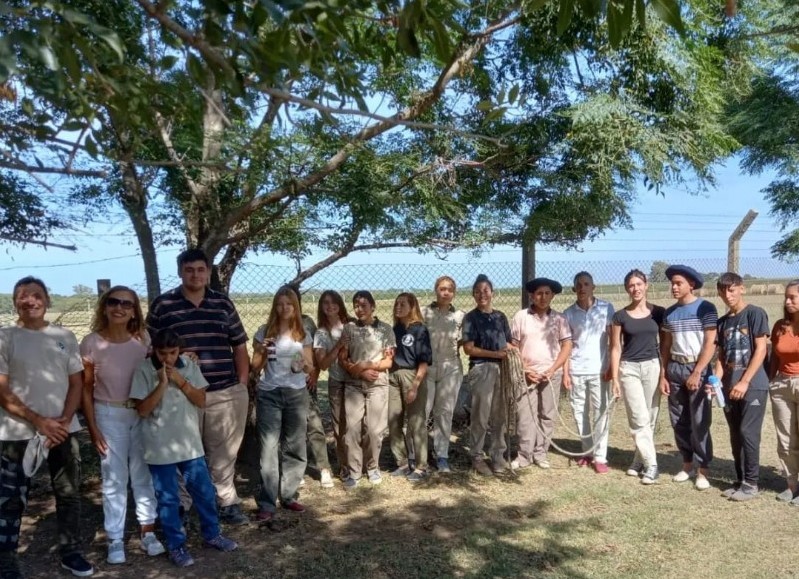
(441, 40)
(615, 31)
(91, 147)
(513, 94)
(534, 5)
(485, 106)
(70, 60)
(406, 41)
(565, 13)
(47, 57)
(669, 12)
(794, 46)
(167, 62)
(195, 67)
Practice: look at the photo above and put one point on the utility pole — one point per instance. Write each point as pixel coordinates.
(528, 269)
(734, 244)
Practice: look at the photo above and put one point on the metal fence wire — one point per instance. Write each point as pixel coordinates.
(254, 285)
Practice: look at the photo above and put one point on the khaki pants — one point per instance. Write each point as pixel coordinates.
(335, 395)
(400, 382)
(366, 415)
(222, 428)
(641, 390)
(443, 382)
(590, 392)
(486, 411)
(535, 420)
(784, 392)
(317, 440)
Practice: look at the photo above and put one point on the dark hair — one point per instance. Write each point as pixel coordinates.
(321, 318)
(728, 279)
(29, 279)
(634, 273)
(482, 278)
(580, 274)
(365, 295)
(167, 339)
(190, 255)
(786, 317)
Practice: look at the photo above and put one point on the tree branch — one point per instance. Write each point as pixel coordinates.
(18, 165)
(43, 243)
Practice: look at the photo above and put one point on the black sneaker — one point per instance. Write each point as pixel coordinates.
(232, 515)
(77, 565)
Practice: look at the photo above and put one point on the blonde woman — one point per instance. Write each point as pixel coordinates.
(111, 353)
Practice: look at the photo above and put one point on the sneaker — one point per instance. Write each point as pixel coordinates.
(232, 515)
(732, 490)
(584, 461)
(601, 468)
(351, 483)
(785, 496)
(264, 516)
(500, 467)
(374, 477)
(151, 545)
(479, 465)
(635, 469)
(442, 464)
(403, 470)
(295, 506)
(682, 476)
(344, 474)
(116, 552)
(416, 476)
(701, 483)
(326, 479)
(745, 493)
(181, 557)
(221, 543)
(650, 475)
(77, 565)
(542, 463)
(302, 482)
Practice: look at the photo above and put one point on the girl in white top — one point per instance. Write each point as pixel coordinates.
(111, 353)
(283, 348)
(331, 317)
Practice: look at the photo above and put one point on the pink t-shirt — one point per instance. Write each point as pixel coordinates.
(539, 337)
(114, 364)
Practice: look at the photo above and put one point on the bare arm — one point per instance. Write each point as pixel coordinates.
(74, 395)
(562, 358)
(739, 390)
(718, 367)
(473, 351)
(705, 356)
(665, 353)
(145, 407)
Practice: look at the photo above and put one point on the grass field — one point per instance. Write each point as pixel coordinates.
(566, 522)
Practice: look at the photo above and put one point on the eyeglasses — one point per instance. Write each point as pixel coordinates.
(124, 304)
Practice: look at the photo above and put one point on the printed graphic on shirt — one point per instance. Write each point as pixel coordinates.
(407, 340)
(738, 352)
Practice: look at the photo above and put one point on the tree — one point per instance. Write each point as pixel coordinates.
(82, 290)
(657, 273)
(279, 131)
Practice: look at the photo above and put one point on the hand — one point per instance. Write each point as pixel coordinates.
(357, 369)
(738, 392)
(410, 395)
(311, 381)
(692, 383)
(175, 377)
(162, 376)
(664, 386)
(501, 354)
(567, 381)
(191, 356)
(370, 375)
(55, 430)
(615, 389)
(99, 442)
(532, 376)
(607, 375)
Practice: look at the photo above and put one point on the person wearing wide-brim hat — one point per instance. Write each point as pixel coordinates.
(545, 342)
(687, 347)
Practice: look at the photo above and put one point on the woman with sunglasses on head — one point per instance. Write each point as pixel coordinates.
(111, 353)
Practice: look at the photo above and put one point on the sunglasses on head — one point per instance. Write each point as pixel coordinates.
(124, 304)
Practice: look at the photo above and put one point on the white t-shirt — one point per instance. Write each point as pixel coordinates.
(327, 340)
(277, 373)
(38, 364)
(171, 433)
(590, 337)
(114, 364)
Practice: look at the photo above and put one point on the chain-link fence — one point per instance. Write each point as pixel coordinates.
(254, 285)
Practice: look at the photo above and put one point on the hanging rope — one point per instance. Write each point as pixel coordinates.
(512, 386)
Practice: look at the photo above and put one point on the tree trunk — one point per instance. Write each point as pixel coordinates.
(134, 201)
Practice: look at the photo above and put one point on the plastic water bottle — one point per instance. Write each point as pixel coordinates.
(714, 382)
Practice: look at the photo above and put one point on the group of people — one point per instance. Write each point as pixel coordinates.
(166, 397)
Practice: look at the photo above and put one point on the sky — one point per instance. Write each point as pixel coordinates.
(678, 226)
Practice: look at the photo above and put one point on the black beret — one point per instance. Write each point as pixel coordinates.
(536, 283)
(688, 273)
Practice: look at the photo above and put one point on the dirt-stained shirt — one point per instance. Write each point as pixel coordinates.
(445, 328)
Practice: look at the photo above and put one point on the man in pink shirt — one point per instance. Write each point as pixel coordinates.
(545, 342)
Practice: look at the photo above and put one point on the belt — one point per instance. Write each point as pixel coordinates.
(684, 359)
(126, 404)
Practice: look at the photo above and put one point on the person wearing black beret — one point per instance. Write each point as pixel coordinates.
(687, 347)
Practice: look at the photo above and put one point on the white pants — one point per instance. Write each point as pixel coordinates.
(124, 460)
(641, 391)
(443, 383)
(591, 392)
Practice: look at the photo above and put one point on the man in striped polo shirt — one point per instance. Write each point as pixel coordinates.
(210, 327)
(687, 347)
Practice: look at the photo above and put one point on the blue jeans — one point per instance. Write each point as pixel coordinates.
(198, 483)
(282, 416)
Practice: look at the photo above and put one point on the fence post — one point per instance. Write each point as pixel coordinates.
(528, 269)
(734, 244)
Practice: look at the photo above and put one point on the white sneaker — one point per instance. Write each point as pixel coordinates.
(151, 545)
(682, 476)
(326, 479)
(701, 484)
(116, 552)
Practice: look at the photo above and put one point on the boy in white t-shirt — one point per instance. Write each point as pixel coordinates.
(170, 389)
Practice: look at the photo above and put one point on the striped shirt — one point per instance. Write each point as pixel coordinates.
(687, 324)
(210, 330)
